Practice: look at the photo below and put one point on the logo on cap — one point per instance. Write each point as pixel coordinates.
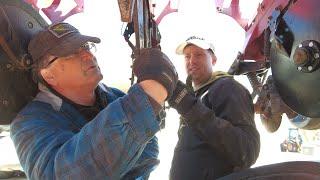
(195, 37)
(61, 29)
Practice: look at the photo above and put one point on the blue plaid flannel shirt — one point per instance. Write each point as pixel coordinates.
(53, 141)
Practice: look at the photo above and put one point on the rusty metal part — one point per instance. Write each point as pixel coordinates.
(142, 25)
(306, 56)
(255, 83)
(126, 9)
(240, 66)
(271, 107)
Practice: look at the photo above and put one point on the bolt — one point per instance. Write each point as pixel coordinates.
(281, 36)
(310, 68)
(265, 87)
(286, 29)
(8, 66)
(5, 102)
(299, 68)
(310, 44)
(30, 25)
(300, 46)
(316, 55)
(28, 62)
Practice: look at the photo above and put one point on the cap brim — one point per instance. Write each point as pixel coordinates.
(181, 47)
(71, 44)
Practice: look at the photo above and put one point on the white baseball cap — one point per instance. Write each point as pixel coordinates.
(197, 41)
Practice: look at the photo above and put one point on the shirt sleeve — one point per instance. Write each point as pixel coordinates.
(146, 163)
(227, 123)
(105, 148)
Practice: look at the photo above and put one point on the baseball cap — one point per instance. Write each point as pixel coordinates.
(197, 41)
(59, 39)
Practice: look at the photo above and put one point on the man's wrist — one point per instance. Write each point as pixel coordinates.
(155, 90)
(155, 105)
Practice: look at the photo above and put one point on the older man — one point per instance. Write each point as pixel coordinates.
(77, 128)
(217, 134)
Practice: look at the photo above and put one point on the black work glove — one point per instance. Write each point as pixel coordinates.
(152, 64)
(188, 105)
(182, 100)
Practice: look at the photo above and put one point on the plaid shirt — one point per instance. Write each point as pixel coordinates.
(54, 141)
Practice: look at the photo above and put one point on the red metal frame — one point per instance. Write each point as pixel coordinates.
(254, 42)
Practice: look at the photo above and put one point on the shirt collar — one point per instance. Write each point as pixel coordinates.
(213, 77)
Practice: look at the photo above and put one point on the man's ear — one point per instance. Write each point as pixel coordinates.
(213, 59)
(48, 76)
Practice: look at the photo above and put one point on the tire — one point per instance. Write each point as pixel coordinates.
(298, 170)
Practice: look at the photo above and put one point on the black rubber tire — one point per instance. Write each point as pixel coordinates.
(297, 170)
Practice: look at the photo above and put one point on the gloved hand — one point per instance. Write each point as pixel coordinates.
(182, 100)
(188, 105)
(152, 64)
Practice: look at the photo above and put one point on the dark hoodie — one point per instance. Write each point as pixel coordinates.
(218, 145)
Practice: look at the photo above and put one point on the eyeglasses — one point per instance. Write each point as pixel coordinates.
(51, 61)
(89, 46)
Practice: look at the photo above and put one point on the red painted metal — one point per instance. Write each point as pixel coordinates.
(254, 42)
(167, 10)
(56, 16)
(53, 14)
(233, 10)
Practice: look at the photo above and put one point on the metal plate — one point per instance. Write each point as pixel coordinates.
(18, 22)
(299, 90)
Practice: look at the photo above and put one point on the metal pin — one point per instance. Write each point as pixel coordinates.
(310, 44)
(30, 25)
(5, 102)
(28, 62)
(8, 66)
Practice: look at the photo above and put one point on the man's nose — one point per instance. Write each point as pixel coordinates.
(86, 55)
(192, 59)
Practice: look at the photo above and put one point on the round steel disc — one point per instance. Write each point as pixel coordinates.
(299, 90)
